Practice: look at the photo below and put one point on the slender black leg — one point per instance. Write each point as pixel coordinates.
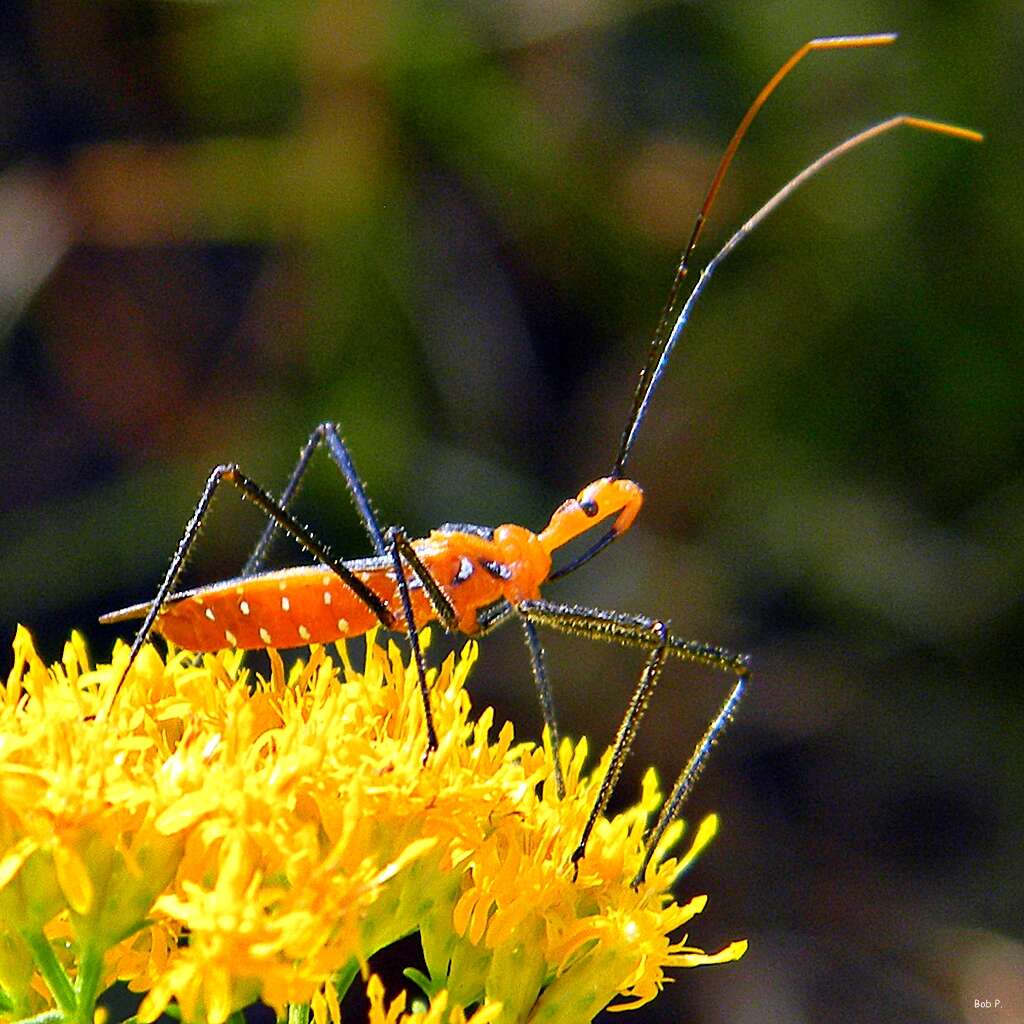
(652, 635)
(399, 549)
(493, 616)
(443, 607)
(547, 703)
(489, 619)
(413, 634)
(688, 776)
(623, 743)
(326, 434)
(251, 491)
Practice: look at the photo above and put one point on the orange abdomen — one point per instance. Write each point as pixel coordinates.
(291, 608)
(311, 604)
(281, 609)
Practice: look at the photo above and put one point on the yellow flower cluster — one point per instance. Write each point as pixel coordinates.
(215, 838)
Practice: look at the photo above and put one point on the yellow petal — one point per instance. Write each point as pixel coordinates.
(73, 878)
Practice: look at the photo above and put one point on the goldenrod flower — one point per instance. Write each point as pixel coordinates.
(216, 838)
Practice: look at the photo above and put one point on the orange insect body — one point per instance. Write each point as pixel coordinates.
(311, 604)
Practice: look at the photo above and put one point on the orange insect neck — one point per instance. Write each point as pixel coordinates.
(609, 496)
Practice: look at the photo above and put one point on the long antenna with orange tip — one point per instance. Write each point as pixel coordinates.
(669, 310)
(662, 350)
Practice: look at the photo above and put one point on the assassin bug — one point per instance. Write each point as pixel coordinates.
(471, 578)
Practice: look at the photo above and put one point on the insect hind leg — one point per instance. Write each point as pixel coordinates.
(281, 517)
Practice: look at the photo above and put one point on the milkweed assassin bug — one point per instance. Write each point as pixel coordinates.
(469, 578)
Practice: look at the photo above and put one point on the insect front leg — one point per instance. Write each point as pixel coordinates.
(491, 618)
(653, 636)
(688, 776)
(326, 434)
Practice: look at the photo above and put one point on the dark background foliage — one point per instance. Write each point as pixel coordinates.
(451, 228)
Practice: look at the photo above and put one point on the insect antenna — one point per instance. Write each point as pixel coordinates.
(662, 337)
(665, 341)
(663, 333)
(661, 350)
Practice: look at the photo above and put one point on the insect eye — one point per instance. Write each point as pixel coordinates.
(589, 507)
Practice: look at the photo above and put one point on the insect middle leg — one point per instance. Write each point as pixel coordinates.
(392, 543)
(328, 435)
(653, 636)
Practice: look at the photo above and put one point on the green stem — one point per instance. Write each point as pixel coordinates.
(90, 971)
(344, 977)
(46, 1017)
(298, 1013)
(53, 974)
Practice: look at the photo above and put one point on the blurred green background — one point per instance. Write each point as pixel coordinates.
(451, 228)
